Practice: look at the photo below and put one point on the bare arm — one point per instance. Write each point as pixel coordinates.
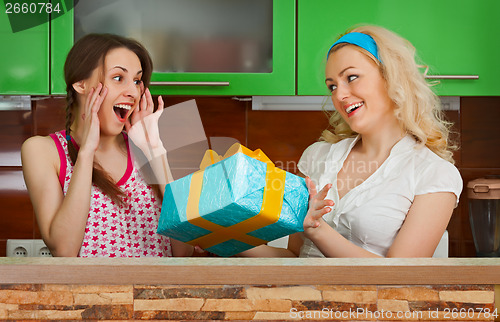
(419, 236)
(327, 239)
(62, 219)
(143, 131)
(424, 226)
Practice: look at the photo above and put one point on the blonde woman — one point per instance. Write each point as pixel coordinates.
(382, 181)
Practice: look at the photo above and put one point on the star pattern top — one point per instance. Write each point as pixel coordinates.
(113, 230)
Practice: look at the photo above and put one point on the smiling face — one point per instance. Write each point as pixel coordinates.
(121, 74)
(358, 90)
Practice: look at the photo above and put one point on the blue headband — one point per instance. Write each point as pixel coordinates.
(359, 39)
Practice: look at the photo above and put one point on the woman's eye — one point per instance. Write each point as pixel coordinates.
(117, 78)
(350, 78)
(138, 82)
(332, 87)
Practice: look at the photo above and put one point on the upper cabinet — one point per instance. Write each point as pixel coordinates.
(24, 52)
(198, 47)
(454, 38)
(250, 47)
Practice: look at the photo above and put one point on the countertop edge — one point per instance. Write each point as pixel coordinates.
(249, 271)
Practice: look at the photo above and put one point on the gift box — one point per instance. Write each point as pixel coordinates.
(234, 203)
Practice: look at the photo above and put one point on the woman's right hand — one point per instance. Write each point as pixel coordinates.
(318, 207)
(90, 119)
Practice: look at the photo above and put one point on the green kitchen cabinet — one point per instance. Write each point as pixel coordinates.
(24, 52)
(199, 47)
(61, 36)
(452, 37)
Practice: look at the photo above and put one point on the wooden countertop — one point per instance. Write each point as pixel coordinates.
(250, 271)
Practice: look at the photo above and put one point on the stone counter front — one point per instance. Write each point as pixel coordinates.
(249, 289)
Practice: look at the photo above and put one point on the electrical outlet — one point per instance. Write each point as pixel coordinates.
(40, 249)
(19, 247)
(27, 248)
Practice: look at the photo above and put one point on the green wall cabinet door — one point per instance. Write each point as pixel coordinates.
(24, 53)
(61, 35)
(452, 37)
(199, 47)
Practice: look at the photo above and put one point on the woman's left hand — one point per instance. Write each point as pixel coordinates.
(142, 127)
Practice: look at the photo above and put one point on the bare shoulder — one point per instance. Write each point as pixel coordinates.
(39, 140)
(40, 149)
(40, 143)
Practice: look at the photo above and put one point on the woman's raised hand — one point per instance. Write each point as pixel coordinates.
(318, 206)
(142, 127)
(90, 119)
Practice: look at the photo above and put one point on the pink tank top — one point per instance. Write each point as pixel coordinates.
(118, 231)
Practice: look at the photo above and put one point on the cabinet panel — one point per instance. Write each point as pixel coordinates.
(61, 36)
(24, 54)
(247, 45)
(453, 37)
(277, 134)
(16, 216)
(480, 132)
(15, 128)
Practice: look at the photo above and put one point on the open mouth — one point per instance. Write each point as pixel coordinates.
(121, 111)
(354, 107)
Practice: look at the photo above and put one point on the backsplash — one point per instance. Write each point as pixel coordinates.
(282, 135)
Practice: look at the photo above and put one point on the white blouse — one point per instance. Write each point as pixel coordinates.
(371, 214)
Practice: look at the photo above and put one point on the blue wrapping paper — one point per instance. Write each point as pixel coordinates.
(231, 192)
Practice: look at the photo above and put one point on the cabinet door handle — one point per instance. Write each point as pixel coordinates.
(452, 76)
(190, 83)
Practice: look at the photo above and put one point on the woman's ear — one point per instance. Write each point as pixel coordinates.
(80, 86)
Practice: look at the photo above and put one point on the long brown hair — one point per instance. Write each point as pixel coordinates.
(87, 54)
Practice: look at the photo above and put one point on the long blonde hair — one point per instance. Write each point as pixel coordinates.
(418, 108)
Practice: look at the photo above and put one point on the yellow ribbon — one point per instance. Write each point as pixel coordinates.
(269, 213)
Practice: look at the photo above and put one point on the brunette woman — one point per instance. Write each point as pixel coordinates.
(89, 198)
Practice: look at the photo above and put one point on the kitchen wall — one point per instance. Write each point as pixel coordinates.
(282, 135)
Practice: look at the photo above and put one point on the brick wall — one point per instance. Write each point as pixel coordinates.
(246, 302)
